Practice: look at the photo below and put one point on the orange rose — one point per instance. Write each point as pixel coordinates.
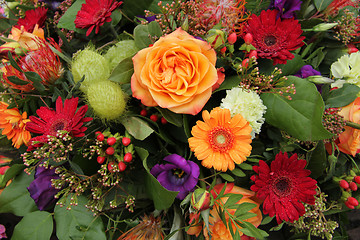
(349, 140)
(177, 72)
(216, 226)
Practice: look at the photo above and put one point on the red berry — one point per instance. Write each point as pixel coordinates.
(163, 120)
(111, 141)
(353, 201)
(111, 166)
(223, 50)
(245, 63)
(100, 137)
(349, 205)
(344, 184)
(110, 151)
(143, 112)
(353, 186)
(253, 53)
(232, 38)
(126, 141)
(122, 166)
(248, 38)
(128, 157)
(97, 133)
(154, 117)
(100, 159)
(357, 179)
(352, 48)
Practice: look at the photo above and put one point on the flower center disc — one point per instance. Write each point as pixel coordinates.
(221, 139)
(282, 186)
(270, 40)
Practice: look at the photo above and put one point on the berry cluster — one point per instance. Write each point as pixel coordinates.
(153, 116)
(348, 185)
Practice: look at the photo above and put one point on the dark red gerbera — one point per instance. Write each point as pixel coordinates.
(284, 187)
(94, 13)
(33, 17)
(274, 38)
(65, 117)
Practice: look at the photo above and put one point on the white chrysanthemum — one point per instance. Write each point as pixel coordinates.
(347, 70)
(248, 104)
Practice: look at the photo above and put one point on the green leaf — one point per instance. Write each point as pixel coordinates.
(229, 83)
(245, 166)
(78, 223)
(162, 197)
(292, 66)
(301, 117)
(321, 4)
(141, 36)
(251, 231)
(171, 117)
(11, 173)
(244, 208)
(238, 172)
(13, 62)
(155, 29)
(123, 71)
(67, 20)
(137, 127)
(17, 81)
(16, 198)
(227, 177)
(232, 200)
(33, 77)
(317, 160)
(342, 96)
(266, 220)
(36, 225)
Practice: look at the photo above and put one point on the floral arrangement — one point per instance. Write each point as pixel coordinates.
(213, 119)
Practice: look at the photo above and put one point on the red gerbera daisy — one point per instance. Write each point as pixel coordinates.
(274, 38)
(94, 13)
(284, 187)
(64, 118)
(32, 17)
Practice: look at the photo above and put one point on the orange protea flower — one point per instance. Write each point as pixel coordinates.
(221, 141)
(13, 125)
(334, 7)
(43, 61)
(148, 228)
(230, 13)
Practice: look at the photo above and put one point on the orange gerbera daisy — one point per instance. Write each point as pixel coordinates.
(13, 125)
(221, 141)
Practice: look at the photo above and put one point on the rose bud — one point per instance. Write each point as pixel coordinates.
(200, 199)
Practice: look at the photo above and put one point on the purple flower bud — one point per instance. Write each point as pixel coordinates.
(286, 8)
(178, 175)
(307, 71)
(41, 189)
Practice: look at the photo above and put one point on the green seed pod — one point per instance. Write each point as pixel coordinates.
(120, 51)
(91, 64)
(106, 99)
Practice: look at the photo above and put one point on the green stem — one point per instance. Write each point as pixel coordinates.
(353, 125)
(353, 161)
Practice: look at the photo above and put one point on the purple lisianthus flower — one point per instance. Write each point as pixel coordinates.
(2, 231)
(178, 175)
(286, 8)
(41, 189)
(148, 19)
(307, 71)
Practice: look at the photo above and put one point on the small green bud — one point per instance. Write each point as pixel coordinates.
(106, 99)
(90, 64)
(120, 51)
(200, 199)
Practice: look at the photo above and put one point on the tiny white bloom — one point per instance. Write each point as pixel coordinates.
(347, 68)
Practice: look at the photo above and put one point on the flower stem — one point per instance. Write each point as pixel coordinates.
(353, 125)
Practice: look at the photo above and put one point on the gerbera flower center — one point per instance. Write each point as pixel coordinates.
(282, 186)
(221, 138)
(270, 40)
